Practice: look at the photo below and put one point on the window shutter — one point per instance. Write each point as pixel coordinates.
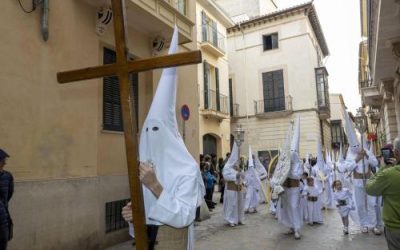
(204, 26)
(217, 89)
(214, 34)
(112, 112)
(206, 84)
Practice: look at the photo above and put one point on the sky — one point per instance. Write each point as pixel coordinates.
(340, 21)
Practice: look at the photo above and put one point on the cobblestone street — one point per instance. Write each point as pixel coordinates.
(262, 231)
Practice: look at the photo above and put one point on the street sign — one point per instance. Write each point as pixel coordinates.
(185, 112)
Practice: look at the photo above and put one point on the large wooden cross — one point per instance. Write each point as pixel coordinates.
(122, 68)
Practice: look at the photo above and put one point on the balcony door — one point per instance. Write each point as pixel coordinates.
(209, 145)
(273, 90)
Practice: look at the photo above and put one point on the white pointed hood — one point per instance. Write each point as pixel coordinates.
(160, 141)
(260, 167)
(251, 160)
(341, 156)
(327, 156)
(354, 144)
(233, 158)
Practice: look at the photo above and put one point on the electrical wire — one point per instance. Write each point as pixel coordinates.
(33, 6)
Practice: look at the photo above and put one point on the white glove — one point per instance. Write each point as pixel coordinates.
(127, 212)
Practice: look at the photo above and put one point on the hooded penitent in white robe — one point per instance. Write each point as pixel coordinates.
(303, 199)
(252, 183)
(288, 212)
(367, 215)
(344, 195)
(323, 178)
(262, 175)
(175, 168)
(313, 207)
(233, 200)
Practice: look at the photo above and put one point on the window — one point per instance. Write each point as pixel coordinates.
(212, 97)
(270, 41)
(337, 133)
(114, 219)
(321, 76)
(232, 112)
(112, 113)
(273, 90)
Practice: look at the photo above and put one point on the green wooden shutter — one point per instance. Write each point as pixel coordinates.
(206, 85)
(217, 89)
(112, 112)
(214, 34)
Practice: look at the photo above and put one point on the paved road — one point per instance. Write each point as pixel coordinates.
(262, 231)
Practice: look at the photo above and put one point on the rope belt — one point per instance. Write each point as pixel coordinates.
(290, 183)
(232, 186)
(312, 198)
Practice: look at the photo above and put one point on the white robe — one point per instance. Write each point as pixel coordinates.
(367, 215)
(233, 200)
(252, 190)
(344, 194)
(313, 207)
(288, 212)
(303, 200)
(262, 175)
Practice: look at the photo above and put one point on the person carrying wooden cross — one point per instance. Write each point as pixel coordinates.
(172, 184)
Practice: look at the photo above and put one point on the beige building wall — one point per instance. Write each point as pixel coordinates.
(389, 121)
(245, 51)
(247, 63)
(218, 126)
(337, 105)
(66, 167)
(269, 134)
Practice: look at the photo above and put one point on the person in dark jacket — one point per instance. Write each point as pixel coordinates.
(6, 192)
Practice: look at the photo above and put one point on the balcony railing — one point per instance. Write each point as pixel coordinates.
(211, 35)
(235, 110)
(283, 103)
(215, 101)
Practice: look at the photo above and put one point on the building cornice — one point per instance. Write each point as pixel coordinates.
(307, 9)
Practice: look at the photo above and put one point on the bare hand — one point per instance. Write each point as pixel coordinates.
(127, 212)
(148, 177)
(392, 161)
(361, 155)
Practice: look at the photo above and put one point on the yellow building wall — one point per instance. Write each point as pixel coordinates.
(219, 128)
(66, 167)
(269, 134)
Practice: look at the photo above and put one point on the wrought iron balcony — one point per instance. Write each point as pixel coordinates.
(234, 110)
(215, 105)
(370, 93)
(212, 40)
(277, 106)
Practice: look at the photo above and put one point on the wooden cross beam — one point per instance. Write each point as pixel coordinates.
(122, 68)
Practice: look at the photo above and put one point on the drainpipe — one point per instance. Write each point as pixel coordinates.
(45, 20)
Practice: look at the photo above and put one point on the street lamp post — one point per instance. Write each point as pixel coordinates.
(361, 125)
(239, 139)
